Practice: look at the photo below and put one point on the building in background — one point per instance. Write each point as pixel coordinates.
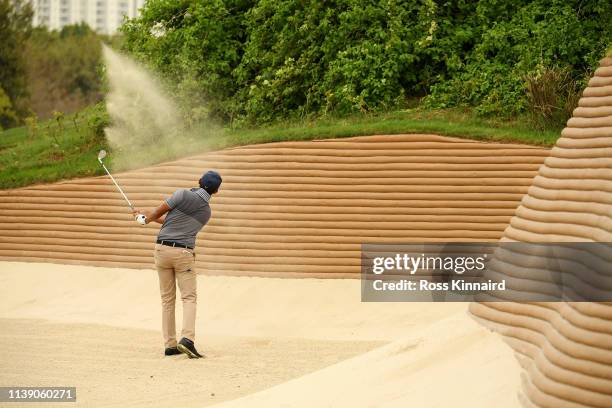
(104, 16)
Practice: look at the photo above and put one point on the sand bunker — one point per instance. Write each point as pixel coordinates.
(291, 209)
(286, 209)
(302, 209)
(97, 329)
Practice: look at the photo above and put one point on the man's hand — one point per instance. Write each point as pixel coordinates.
(155, 215)
(139, 216)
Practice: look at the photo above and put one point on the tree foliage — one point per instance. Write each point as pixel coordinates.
(195, 45)
(44, 71)
(63, 69)
(524, 38)
(263, 60)
(15, 25)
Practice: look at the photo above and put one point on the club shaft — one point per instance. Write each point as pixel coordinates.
(117, 185)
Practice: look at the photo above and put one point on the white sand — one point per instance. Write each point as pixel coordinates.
(267, 340)
(452, 363)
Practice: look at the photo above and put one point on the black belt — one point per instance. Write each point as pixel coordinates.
(173, 244)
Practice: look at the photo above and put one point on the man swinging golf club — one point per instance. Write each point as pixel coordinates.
(182, 216)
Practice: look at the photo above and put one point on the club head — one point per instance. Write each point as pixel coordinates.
(101, 155)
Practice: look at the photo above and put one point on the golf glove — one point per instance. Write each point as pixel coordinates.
(141, 219)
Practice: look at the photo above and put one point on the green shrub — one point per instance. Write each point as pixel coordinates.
(195, 45)
(97, 121)
(259, 61)
(31, 123)
(8, 116)
(516, 40)
(552, 95)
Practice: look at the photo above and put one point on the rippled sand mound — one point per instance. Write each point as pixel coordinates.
(566, 348)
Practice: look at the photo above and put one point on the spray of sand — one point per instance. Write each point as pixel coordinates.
(146, 124)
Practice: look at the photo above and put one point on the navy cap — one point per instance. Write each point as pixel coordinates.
(211, 181)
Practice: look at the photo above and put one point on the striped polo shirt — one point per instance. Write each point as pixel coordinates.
(189, 213)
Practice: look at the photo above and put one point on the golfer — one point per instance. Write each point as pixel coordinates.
(187, 212)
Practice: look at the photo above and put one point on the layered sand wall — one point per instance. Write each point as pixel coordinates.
(566, 348)
(285, 209)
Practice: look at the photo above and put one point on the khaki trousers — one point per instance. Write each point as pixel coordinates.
(176, 265)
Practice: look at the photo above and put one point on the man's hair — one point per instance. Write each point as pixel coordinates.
(210, 182)
(209, 190)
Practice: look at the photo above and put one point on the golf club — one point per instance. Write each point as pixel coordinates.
(140, 218)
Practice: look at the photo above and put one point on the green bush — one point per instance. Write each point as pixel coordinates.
(520, 39)
(97, 121)
(341, 57)
(195, 45)
(258, 61)
(552, 96)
